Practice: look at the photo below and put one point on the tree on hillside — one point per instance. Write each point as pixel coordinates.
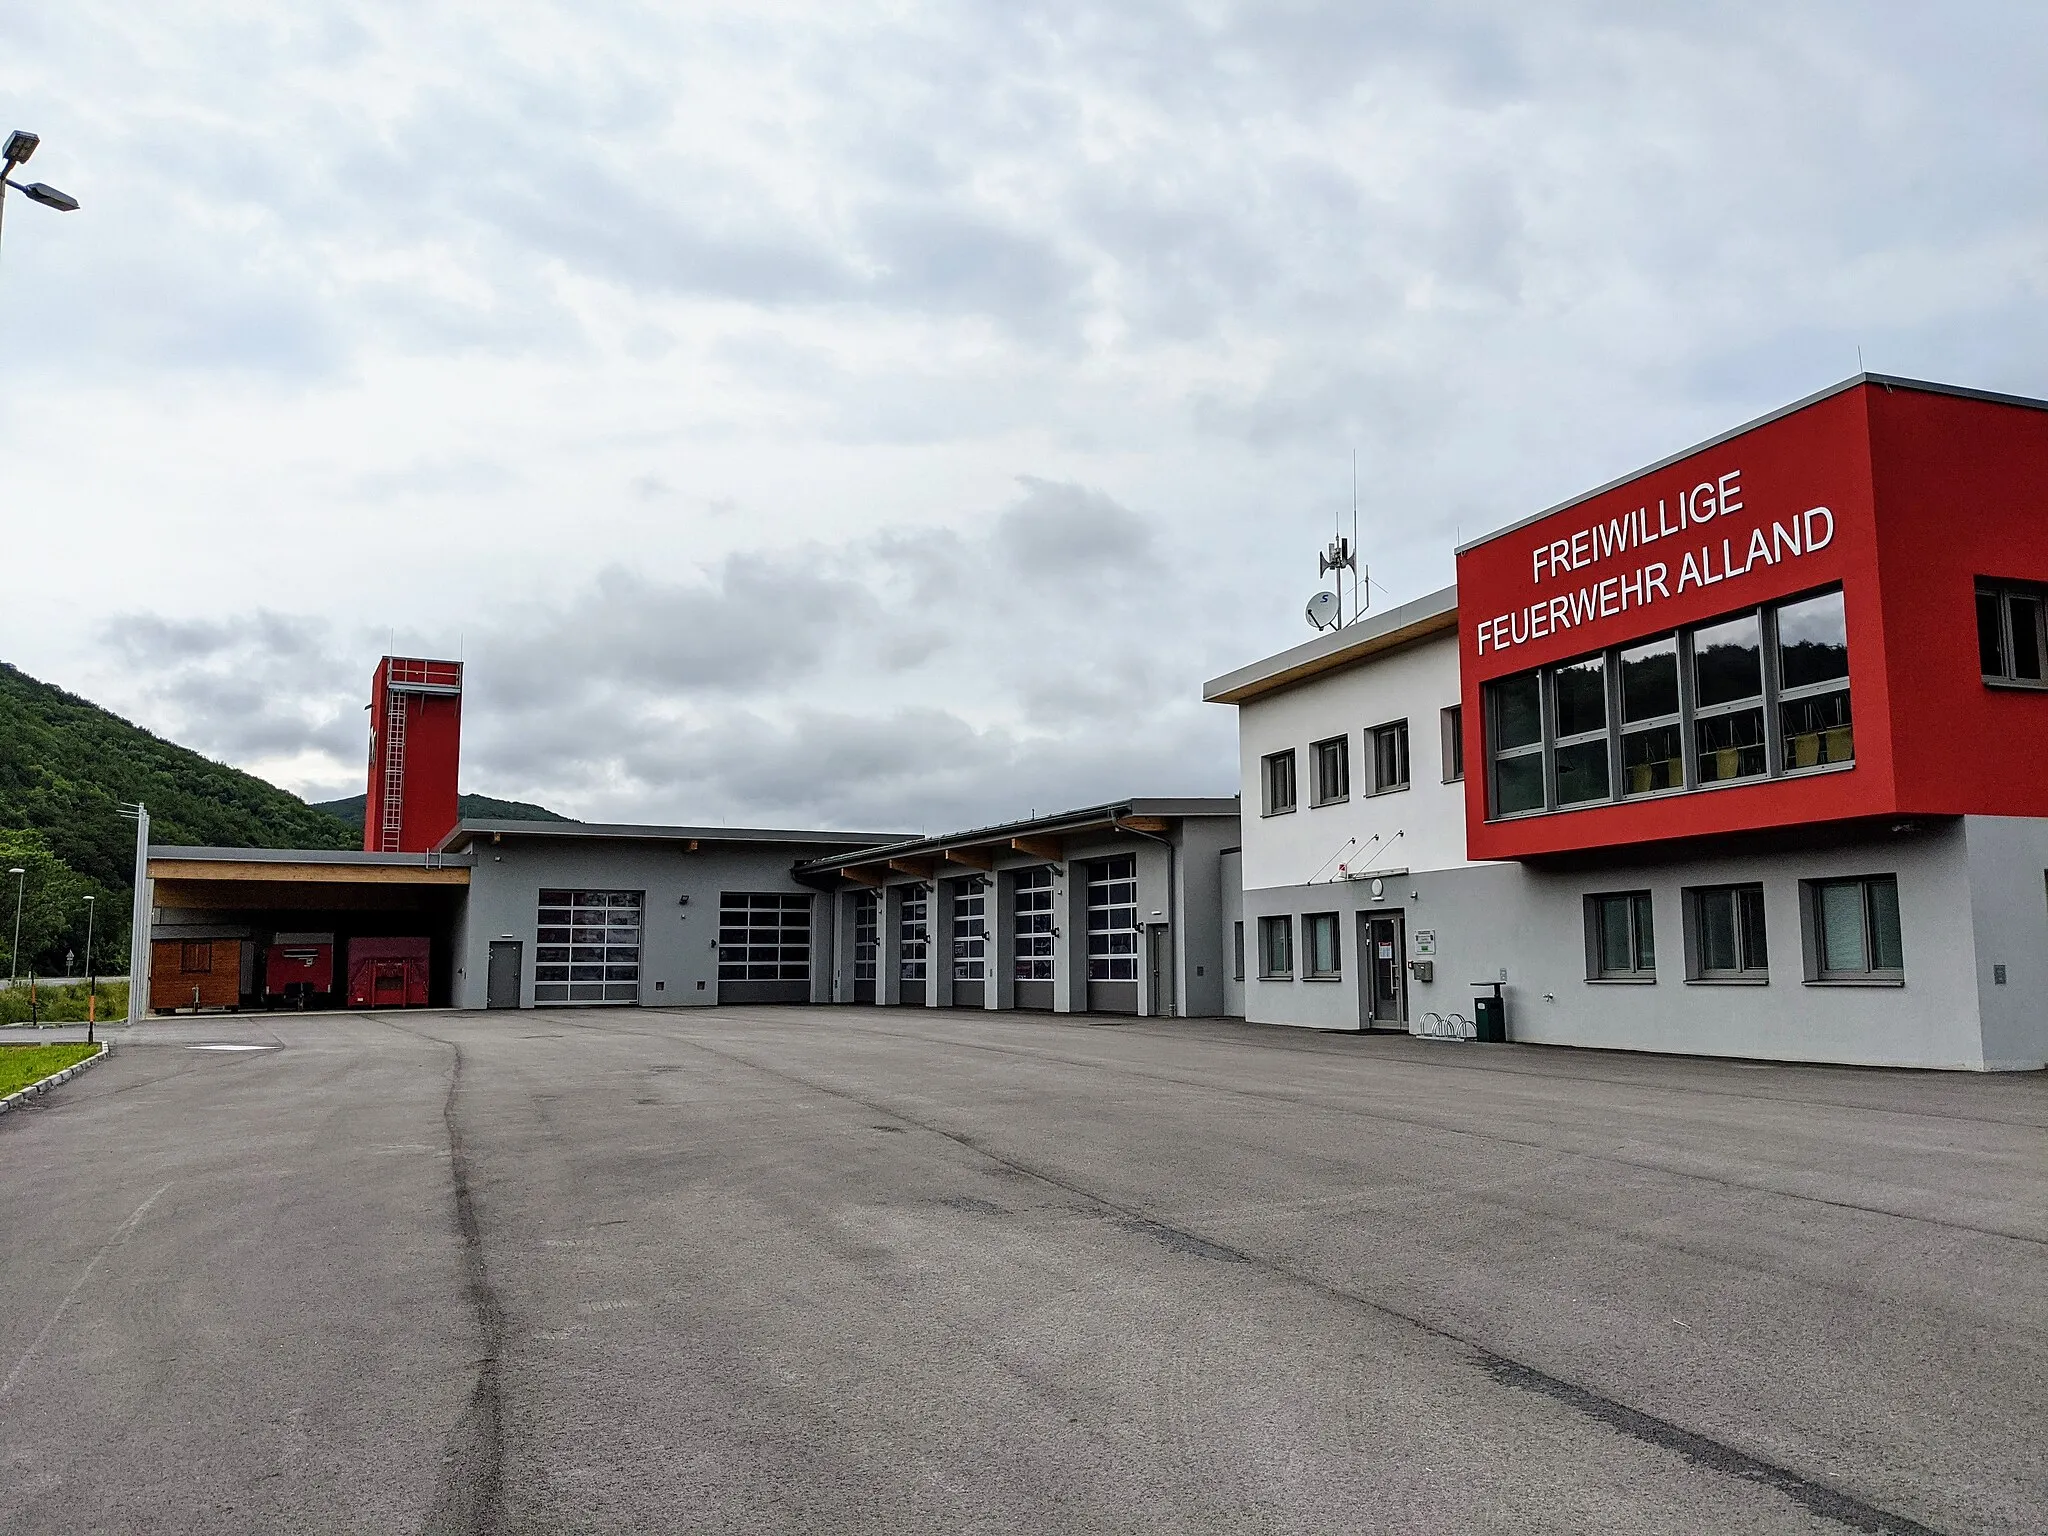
(53, 911)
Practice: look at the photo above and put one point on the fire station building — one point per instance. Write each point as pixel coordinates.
(1742, 754)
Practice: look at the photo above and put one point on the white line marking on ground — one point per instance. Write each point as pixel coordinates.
(230, 1047)
(83, 1275)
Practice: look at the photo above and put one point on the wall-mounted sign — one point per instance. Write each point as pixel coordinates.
(1425, 941)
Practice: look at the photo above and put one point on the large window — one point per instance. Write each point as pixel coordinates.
(1276, 948)
(970, 930)
(1755, 695)
(1319, 945)
(1330, 762)
(2012, 634)
(1621, 937)
(1813, 683)
(1453, 727)
(1853, 928)
(1389, 756)
(914, 934)
(1277, 771)
(587, 947)
(1113, 920)
(1726, 933)
(1034, 925)
(866, 934)
(764, 936)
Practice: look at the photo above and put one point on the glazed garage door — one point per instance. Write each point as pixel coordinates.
(764, 947)
(587, 947)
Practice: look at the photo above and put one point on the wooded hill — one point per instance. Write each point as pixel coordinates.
(468, 807)
(65, 767)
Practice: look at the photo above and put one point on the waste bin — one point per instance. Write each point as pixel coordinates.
(1490, 1019)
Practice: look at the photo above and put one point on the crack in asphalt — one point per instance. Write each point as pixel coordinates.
(469, 1496)
(1700, 1450)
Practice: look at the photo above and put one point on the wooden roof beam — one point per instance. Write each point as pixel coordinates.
(971, 858)
(921, 868)
(1051, 849)
(1144, 824)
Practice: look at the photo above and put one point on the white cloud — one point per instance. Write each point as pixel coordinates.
(576, 337)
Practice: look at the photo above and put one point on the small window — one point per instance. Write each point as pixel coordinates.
(1276, 948)
(1854, 929)
(1454, 743)
(1278, 772)
(196, 959)
(1237, 952)
(1330, 762)
(1389, 757)
(2012, 635)
(1727, 933)
(1621, 939)
(1319, 940)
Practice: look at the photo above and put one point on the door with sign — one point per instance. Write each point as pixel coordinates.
(1383, 981)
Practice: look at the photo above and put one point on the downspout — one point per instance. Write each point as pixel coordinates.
(1172, 919)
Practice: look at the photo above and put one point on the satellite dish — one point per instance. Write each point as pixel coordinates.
(1322, 610)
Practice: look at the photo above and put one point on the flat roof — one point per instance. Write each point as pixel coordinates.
(1435, 613)
(1059, 823)
(467, 831)
(1884, 380)
(338, 856)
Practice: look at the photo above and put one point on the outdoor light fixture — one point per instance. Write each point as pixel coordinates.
(19, 146)
(47, 195)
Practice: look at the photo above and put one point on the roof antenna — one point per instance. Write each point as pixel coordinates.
(1859, 357)
(1326, 609)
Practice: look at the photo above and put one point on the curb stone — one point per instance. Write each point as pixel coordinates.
(43, 1085)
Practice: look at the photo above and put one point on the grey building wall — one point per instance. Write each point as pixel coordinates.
(1231, 880)
(679, 942)
(2008, 858)
(1530, 923)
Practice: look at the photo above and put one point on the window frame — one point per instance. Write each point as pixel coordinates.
(1451, 724)
(1312, 924)
(1237, 950)
(2007, 593)
(1749, 969)
(1269, 803)
(1819, 973)
(867, 934)
(1640, 907)
(1282, 925)
(1772, 702)
(1396, 731)
(1320, 793)
(970, 930)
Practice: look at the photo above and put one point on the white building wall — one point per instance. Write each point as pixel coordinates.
(1421, 827)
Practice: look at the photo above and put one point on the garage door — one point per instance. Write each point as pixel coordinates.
(764, 947)
(587, 947)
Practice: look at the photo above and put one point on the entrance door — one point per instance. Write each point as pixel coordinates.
(1159, 960)
(501, 988)
(1382, 943)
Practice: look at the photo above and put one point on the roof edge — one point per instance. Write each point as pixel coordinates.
(1886, 380)
(1417, 619)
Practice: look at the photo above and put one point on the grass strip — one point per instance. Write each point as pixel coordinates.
(21, 1065)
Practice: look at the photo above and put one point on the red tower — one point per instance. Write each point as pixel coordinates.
(415, 747)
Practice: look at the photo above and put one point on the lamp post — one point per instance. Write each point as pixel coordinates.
(90, 995)
(19, 146)
(20, 878)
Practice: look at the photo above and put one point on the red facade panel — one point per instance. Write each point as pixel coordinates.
(1962, 494)
(1900, 497)
(415, 754)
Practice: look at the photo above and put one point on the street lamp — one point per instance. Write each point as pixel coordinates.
(20, 876)
(19, 146)
(90, 992)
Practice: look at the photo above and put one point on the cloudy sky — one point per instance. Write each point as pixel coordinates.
(887, 416)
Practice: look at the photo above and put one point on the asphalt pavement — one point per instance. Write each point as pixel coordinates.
(921, 1270)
